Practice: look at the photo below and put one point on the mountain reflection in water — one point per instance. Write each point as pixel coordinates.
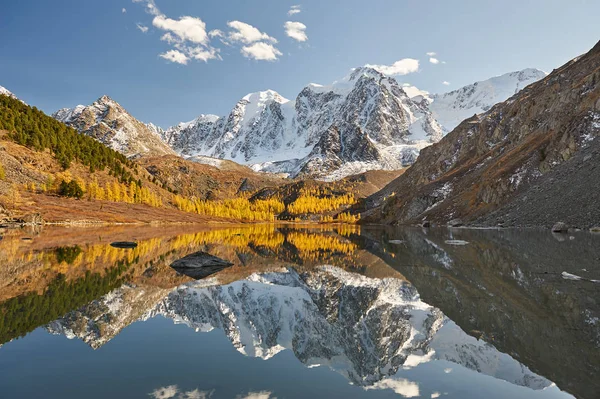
(393, 311)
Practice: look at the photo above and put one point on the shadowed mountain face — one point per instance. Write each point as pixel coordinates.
(526, 161)
(508, 288)
(493, 303)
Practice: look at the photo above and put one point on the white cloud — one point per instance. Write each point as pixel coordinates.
(261, 51)
(402, 67)
(165, 392)
(257, 45)
(188, 36)
(185, 29)
(294, 10)
(434, 60)
(412, 91)
(413, 361)
(431, 54)
(203, 54)
(401, 386)
(446, 83)
(216, 33)
(173, 391)
(247, 34)
(175, 56)
(123, 10)
(296, 30)
(195, 394)
(150, 6)
(256, 395)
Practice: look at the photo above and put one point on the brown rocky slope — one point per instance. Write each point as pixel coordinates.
(528, 161)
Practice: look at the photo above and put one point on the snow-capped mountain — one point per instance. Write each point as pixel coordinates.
(187, 138)
(363, 328)
(365, 121)
(454, 107)
(112, 125)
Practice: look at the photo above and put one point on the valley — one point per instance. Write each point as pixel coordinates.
(358, 150)
(317, 199)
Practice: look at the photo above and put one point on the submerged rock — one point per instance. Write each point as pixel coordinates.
(124, 244)
(426, 224)
(456, 242)
(456, 223)
(200, 265)
(32, 219)
(560, 227)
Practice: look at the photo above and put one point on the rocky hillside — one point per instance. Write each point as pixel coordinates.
(365, 121)
(537, 146)
(109, 123)
(208, 178)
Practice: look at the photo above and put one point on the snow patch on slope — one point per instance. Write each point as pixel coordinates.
(452, 108)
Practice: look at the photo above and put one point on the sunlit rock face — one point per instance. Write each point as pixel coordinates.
(364, 121)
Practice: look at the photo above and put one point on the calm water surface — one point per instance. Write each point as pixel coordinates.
(331, 312)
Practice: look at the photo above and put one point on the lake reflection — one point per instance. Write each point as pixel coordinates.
(324, 311)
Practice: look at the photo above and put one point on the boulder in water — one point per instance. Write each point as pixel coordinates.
(124, 245)
(200, 265)
(560, 227)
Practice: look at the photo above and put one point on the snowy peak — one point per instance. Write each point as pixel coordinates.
(333, 130)
(264, 97)
(364, 72)
(108, 122)
(452, 108)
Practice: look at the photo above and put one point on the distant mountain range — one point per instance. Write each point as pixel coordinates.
(365, 121)
(454, 107)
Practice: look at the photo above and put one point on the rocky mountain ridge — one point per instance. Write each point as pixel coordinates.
(365, 121)
(108, 122)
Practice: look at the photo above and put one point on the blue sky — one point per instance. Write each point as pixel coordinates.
(61, 53)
